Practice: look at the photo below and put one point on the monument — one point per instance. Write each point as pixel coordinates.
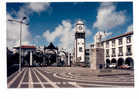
(97, 53)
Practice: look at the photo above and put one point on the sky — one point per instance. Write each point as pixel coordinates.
(55, 22)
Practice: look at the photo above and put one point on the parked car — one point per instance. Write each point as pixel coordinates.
(112, 65)
(125, 66)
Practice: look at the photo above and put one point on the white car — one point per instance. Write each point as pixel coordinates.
(112, 65)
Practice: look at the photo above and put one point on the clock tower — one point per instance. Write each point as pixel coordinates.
(79, 46)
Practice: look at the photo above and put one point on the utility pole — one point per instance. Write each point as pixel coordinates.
(44, 55)
(20, 49)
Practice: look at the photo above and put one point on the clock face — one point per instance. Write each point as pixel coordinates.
(80, 28)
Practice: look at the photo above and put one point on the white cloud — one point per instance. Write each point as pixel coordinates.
(13, 33)
(87, 31)
(108, 18)
(130, 28)
(64, 32)
(13, 28)
(103, 36)
(29, 8)
(24, 11)
(38, 7)
(88, 45)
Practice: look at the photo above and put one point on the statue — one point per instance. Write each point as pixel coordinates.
(97, 52)
(98, 39)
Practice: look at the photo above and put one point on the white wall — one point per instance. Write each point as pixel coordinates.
(81, 43)
(124, 45)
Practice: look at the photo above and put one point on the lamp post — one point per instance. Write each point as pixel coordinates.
(20, 22)
(44, 53)
(44, 56)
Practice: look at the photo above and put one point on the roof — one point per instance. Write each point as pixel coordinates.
(79, 22)
(122, 35)
(51, 46)
(116, 37)
(26, 47)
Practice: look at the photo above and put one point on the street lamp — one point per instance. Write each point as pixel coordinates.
(44, 53)
(20, 22)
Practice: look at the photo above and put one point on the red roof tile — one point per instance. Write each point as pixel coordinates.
(27, 46)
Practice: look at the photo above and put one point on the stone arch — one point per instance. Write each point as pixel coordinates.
(107, 63)
(62, 58)
(50, 56)
(120, 61)
(37, 58)
(51, 51)
(113, 61)
(63, 52)
(129, 61)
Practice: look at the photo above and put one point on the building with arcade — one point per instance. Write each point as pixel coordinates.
(118, 50)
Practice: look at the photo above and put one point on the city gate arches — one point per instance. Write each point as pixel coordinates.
(50, 53)
(62, 58)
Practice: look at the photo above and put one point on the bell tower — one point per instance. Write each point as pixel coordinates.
(79, 46)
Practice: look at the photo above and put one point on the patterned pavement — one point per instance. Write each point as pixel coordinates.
(69, 77)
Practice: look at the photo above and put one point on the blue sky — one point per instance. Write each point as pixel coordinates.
(54, 21)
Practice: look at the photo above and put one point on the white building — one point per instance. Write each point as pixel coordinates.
(118, 50)
(79, 46)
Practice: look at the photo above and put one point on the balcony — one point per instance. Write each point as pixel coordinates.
(107, 55)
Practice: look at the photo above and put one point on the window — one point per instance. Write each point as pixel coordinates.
(87, 52)
(128, 50)
(98, 45)
(80, 58)
(128, 39)
(113, 43)
(107, 52)
(107, 44)
(113, 52)
(102, 44)
(92, 46)
(120, 41)
(120, 51)
(80, 49)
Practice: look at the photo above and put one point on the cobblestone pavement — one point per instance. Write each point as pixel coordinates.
(69, 77)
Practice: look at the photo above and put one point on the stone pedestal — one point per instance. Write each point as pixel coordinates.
(96, 58)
